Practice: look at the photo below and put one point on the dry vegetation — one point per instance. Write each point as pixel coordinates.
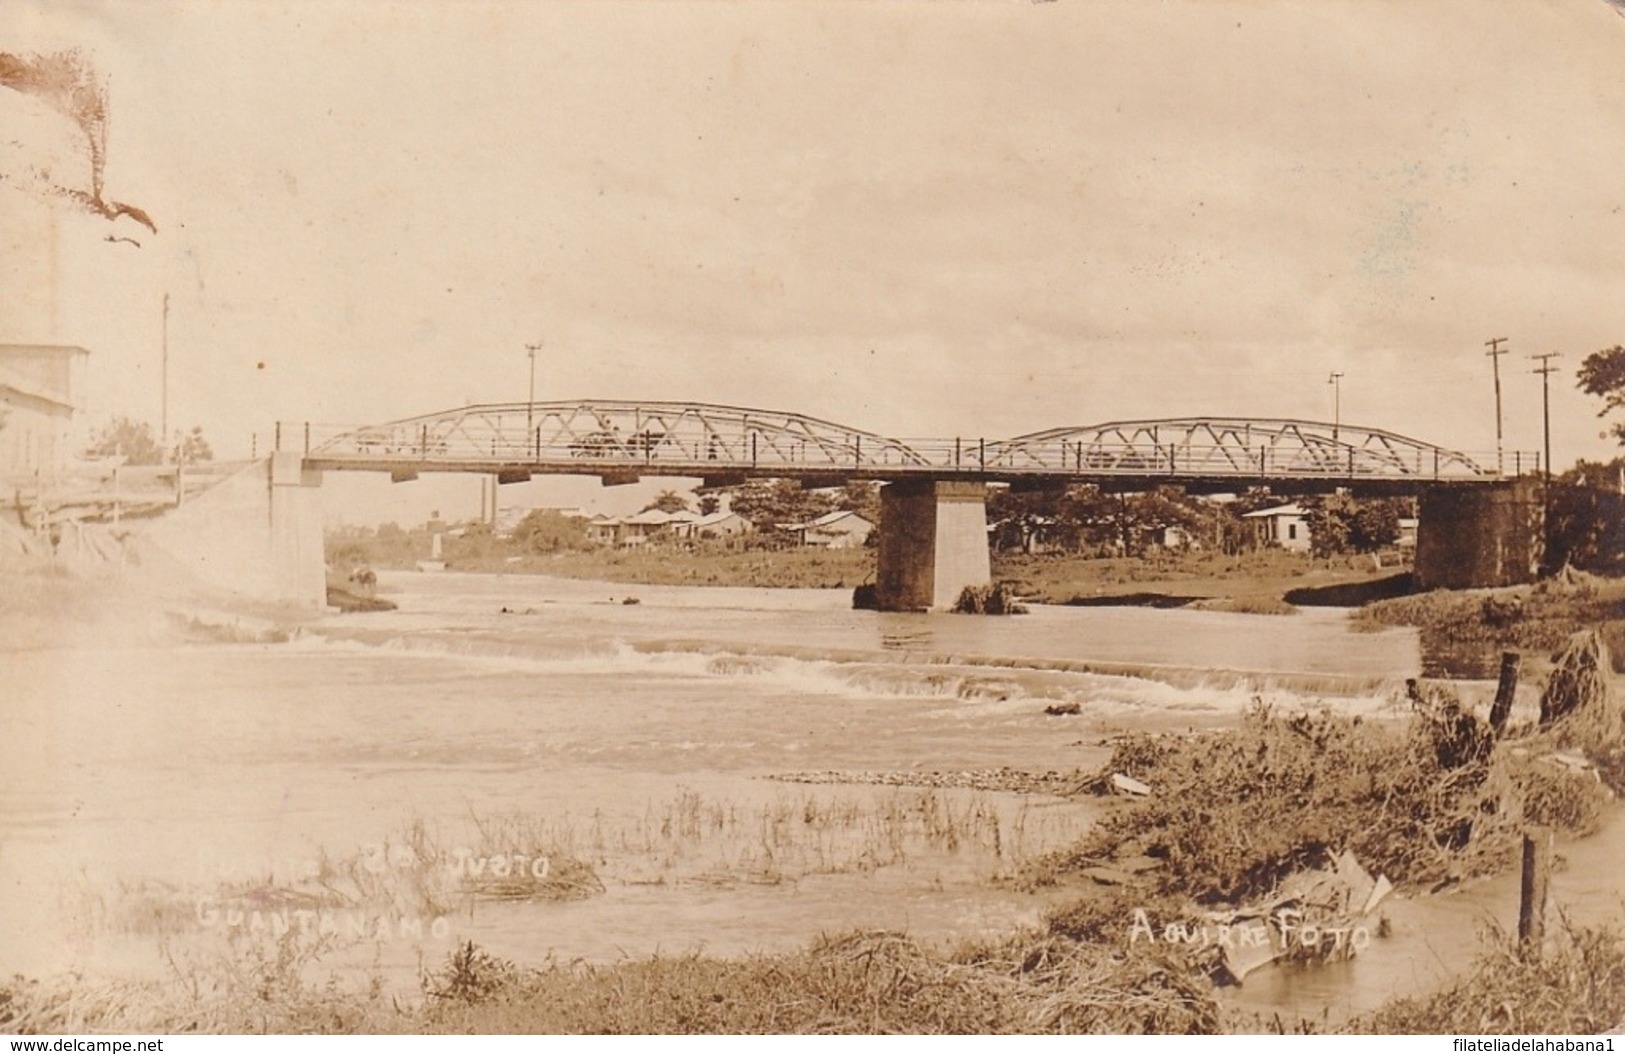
(1539, 618)
(1049, 982)
(1430, 800)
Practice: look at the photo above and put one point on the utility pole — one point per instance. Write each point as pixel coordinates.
(1495, 353)
(1546, 370)
(1336, 381)
(163, 386)
(530, 403)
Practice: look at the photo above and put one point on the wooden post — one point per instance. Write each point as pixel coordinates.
(1510, 660)
(1537, 868)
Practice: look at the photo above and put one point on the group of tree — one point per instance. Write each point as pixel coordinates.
(1585, 523)
(1086, 518)
(1339, 523)
(137, 444)
(768, 503)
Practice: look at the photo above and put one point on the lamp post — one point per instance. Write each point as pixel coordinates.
(1336, 381)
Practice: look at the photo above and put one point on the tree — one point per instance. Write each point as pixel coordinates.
(548, 531)
(768, 502)
(1330, 519)
(667, 501)
(1375, 524)
(1585, 524)
(127, 438)
(192, 447)
(1341, 524)
(709, 504)
(1603, 374)
(135, 442)
(861, 496)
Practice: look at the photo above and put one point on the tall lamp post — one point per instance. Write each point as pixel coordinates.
(1336, 381)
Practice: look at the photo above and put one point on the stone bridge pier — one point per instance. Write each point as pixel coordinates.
(933, 543)
(1471, 538)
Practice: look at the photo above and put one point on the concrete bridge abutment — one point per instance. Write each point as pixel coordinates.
(933, 543)
(297, 547)
(1477, 537)
(257, 533)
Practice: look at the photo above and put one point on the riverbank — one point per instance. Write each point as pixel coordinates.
(1536, 618)
(1256, 582)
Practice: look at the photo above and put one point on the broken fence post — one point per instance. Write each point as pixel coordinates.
(1537, 867)
(1504, 691)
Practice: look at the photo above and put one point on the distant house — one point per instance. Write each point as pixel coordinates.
(842, 529)
(721, 524)
(604, 529)
(1285, 526)
(36, 407)
(1407, 532)
(1175, 536)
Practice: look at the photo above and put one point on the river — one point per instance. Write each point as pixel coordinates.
(377, 767)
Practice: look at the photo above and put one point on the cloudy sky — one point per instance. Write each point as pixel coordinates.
(921, 219)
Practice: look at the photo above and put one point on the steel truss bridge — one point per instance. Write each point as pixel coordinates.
(623, 441)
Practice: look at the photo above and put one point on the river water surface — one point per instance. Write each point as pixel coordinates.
(368, 771)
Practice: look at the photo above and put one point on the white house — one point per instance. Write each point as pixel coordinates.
(842, 529)
(36, 408)
(720, 524)
(1285, 526)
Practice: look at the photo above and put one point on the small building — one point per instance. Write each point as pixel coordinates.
(1284, 526)
(604, 529)
(36, 408)
(1407, 532)
(1176, 536)
(721, 524)
(648, 526)
(841, 529)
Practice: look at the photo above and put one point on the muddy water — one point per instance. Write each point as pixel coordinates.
(145, 789)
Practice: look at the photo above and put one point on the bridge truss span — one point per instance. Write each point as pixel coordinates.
(1244, 448)
(605, 436)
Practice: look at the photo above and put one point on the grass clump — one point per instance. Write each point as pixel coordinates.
(1234, 812)
(1576, 988)
(866, 982)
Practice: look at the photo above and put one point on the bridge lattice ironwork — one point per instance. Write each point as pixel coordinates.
(616, 438)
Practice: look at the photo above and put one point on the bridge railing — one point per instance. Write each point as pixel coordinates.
(430, 443)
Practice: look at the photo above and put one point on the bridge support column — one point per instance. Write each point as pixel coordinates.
(298, 559)
(933, 543)
(1470, 538)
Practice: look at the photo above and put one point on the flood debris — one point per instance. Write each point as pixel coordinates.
(1129, 785)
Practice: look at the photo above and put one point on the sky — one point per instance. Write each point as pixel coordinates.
(924, 220)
